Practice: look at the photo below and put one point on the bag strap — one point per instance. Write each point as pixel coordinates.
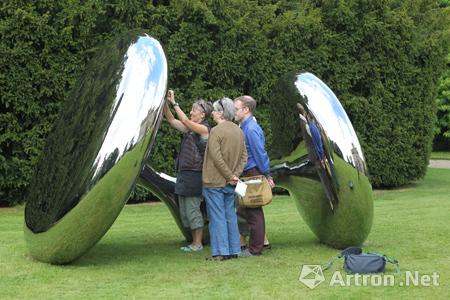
(345, 252)
(351, 250)
(389, 260)
(332, 261)
(394, 262)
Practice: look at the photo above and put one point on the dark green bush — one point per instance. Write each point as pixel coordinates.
(442, 138)
(386, 64)
(383, 59)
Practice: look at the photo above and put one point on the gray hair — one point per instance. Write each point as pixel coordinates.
(226, 106)
(205, 106)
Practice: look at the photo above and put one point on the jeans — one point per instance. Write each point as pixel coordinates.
(223, 227)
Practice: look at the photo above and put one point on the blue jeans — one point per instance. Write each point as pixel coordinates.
(223, 227)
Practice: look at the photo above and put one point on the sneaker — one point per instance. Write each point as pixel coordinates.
(192, 248)
(245, 253)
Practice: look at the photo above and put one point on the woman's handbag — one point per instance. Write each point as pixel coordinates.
(258, 192)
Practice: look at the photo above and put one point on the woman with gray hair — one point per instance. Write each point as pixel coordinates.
(225, 157)
(189, 164)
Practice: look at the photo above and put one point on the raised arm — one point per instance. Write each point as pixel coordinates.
(183, 119)
(195, 127)
(177, 124)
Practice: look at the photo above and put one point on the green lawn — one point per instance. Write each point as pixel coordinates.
(440, 155)
(139, 257)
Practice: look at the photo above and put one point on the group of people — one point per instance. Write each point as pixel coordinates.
(209, 164)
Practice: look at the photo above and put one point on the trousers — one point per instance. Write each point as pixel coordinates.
(223, 227)
(252, 222)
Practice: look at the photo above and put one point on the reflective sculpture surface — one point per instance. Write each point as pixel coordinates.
(97, 149)
(318, 159)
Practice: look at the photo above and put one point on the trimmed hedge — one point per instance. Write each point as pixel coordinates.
(442, 138)
(383, 60)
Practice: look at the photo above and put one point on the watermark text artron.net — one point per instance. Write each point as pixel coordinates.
(312, 276)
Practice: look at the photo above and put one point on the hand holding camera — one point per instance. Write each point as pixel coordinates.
(171, 97)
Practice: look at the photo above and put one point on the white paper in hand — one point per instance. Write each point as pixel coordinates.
(241, 188)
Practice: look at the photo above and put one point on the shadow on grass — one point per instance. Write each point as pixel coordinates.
(116, 253)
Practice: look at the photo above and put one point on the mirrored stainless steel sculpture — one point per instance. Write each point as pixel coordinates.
(96, 154)
(97, 149)
(317, 157)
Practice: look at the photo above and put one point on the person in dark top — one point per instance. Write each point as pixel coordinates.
(189, 164)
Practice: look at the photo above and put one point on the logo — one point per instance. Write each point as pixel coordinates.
(311, 275)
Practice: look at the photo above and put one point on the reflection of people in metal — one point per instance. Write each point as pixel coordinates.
(257, 164)
(317, 142)
(188, 186)
(225, 158)
(314, 142)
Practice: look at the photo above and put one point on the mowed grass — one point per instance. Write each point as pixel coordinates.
(440, 155)
(139, 257)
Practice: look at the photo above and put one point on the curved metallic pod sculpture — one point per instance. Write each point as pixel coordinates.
(317, 157)
(97, 149)
(333, 195)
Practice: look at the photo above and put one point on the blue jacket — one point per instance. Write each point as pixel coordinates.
(317, 140)
(255, 141)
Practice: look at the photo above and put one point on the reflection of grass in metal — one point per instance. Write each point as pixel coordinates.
(352, 219)
(89, 220)
(300, 151)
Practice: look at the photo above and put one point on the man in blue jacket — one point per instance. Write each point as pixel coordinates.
(257, 164)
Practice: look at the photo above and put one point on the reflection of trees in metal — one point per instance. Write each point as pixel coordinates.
(97, 149)
(332, 197)
(357, 160)
(107, 127)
